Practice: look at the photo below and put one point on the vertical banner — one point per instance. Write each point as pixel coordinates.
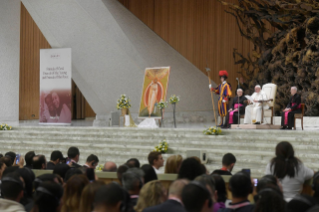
(55, 86)
(154, 90)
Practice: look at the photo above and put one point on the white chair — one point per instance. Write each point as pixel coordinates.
(271, 91)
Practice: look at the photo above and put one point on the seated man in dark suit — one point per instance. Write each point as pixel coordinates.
(174, 202)
(229, 161)
(288, 114)
(56, 158)
(74, 156)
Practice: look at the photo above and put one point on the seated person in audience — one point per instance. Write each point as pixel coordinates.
(88, 194)
(210, 183)
(39, 162)
(133, 162)
(28, 178)
(221, 196)
(149, 173)
(56, 158)
(156, 160)
(240, 102)
(240, 186)
(291, 172)
(300, 203)
(74, 156)
(293, 107)
(1, 155)
(153, 193)
(6, 160)
(110, 167)
(111, 198)
(197, 198)
(48, 197)
(174, 202)
(12, 186)
(173, 164)
(228, 162)
(267, 180)
(120, 171)
(270, 198)
(91, 162)
(29, 159)
(190, 169)
(133, 182)
(61, 170)
(12, 157)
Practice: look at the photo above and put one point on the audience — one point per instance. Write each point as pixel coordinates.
(121, 170)
(220, 188)
(12, 192)
(133, 162)
(289, 170)
(149, 172)
(269, 198)
(110, 167)
(88, 194)
(28, 178)
(92, 161)
(173, 164)
(156, 160)
(74, 156)
(153, 193)
(61, 170)
(268, 180)
(39, 162)
(228, 163)
(210, 183)
(29, 159)
(56, 158)
(197, 198)
(174, 202)
(190, 169)
(11, 156)
(6, 160)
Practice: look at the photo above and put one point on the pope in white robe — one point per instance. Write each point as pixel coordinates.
(253, 112)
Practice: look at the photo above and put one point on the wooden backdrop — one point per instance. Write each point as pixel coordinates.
(198, 29)
(31, 41)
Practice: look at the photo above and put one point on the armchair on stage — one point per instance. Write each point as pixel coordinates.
(271, 90)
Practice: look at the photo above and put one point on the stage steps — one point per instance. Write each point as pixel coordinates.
(253, 149)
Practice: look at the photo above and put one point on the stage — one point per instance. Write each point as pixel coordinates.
(252, 148)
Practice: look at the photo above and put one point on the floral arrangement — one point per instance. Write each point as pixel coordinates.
(99, 167)
(174, 99)
(5, 127)
(213, 131)
(162, 147)
(123, 102)
(161, 105)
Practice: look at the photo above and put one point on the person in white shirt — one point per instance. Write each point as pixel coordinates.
(156, 160)
(289, 170)
(254, 110)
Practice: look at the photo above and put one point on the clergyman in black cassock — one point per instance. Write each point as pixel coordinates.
(241, 104)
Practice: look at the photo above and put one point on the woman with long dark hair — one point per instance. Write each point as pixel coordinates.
(290, 171)
(220, 187)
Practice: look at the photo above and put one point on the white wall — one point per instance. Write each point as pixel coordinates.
(9, 60)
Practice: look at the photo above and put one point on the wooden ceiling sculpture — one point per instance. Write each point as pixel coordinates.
(286, 39)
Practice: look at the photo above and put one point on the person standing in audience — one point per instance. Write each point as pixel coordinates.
(153, 193)
(290, 171)
(133, 162)
(12, 192)
(110, 167)
(149, 172)
(240, 186)
(221, 197)
(228, 162)
(91, 162)
(39, 162)
(29, 159)
(173, 164)
(174, 202)
(156, 160)
(133, 182)
(190, 169)
(56, 158)
(270, 199)
(197, 198)
(48, 198)
(88, 194)
(74, 156)
(111, 198)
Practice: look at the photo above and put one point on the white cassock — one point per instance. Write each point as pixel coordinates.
(253, 111)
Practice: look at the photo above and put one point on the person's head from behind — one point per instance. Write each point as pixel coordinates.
(12, 156)
(220, 187)
(133, 162)
(229, 161)
(72, 192)
(120, 171)
(153, 193)
(190, 169)
(269, 198)
(28, 178)
(149, 173)
(56, 157)
(132, 181)
(176, 188)
(61, 170)
(39, 162)
(12, 186)
(45, 178)
(240, 186)
(48, 197)
(88, 194)
(197, 198)
(74, 153)
(173, 164)
(71, 172)
(29, 158)
(156, 159)
(300, 203)
(210, 182)
(267, 180)
(109, 166)
(6, 160)
(111, 198)
(92, 161)
(285, 162)
(3, 166)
